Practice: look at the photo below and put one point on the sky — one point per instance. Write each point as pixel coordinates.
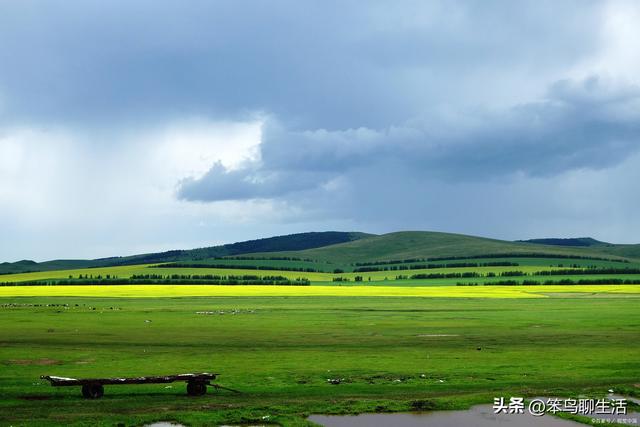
(148, 125)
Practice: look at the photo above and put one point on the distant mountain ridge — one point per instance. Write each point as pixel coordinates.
(576, 241)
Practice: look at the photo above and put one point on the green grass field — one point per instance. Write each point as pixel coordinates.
(395, 345)
(280, 351)
(314, 277)
(372, 280)
(127, 271)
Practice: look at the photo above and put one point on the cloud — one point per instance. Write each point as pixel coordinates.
(128, 126)
(325, 64)
(61, 196)
(587, 124)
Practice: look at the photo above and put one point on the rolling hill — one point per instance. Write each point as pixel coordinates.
(353, 247)
(426, 244)
(291, 242)
(622, 250)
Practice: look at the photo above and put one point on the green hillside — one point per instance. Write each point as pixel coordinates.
(342, 248)
(629, 251)
(426, 244)
(291, 242)
(59, 264)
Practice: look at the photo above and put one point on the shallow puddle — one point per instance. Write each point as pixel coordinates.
(476, 416)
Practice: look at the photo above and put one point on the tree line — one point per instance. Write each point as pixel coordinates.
(237, 266)
(433, 266)
(179, 279)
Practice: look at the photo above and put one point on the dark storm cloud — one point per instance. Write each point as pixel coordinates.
(452, 115)
(586, 124)
(318, 64)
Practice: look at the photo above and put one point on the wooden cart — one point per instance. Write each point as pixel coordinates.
(93, 388)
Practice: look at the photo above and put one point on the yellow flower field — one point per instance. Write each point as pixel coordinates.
(152, 291)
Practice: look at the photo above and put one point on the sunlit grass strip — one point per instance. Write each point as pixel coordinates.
(129, 270)
(151, 291)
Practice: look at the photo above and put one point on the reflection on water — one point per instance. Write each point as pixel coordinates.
(477, 416)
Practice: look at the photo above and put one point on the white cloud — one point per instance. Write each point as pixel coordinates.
(119, 197)
(189, 147)
(32, 165)
(616, 55)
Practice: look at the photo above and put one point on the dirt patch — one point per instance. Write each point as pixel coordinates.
(438, 335)
(29, 362)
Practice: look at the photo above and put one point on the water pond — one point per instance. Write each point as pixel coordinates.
(476, 416)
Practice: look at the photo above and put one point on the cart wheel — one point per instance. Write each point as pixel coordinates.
(196, 388)
(92, 391)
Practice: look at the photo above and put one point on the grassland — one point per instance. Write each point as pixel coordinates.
(372, 282)
(395, 345)
(128, 271)
(391, 353)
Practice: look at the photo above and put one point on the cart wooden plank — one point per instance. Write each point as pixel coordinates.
(93, 388)
(64, 381)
